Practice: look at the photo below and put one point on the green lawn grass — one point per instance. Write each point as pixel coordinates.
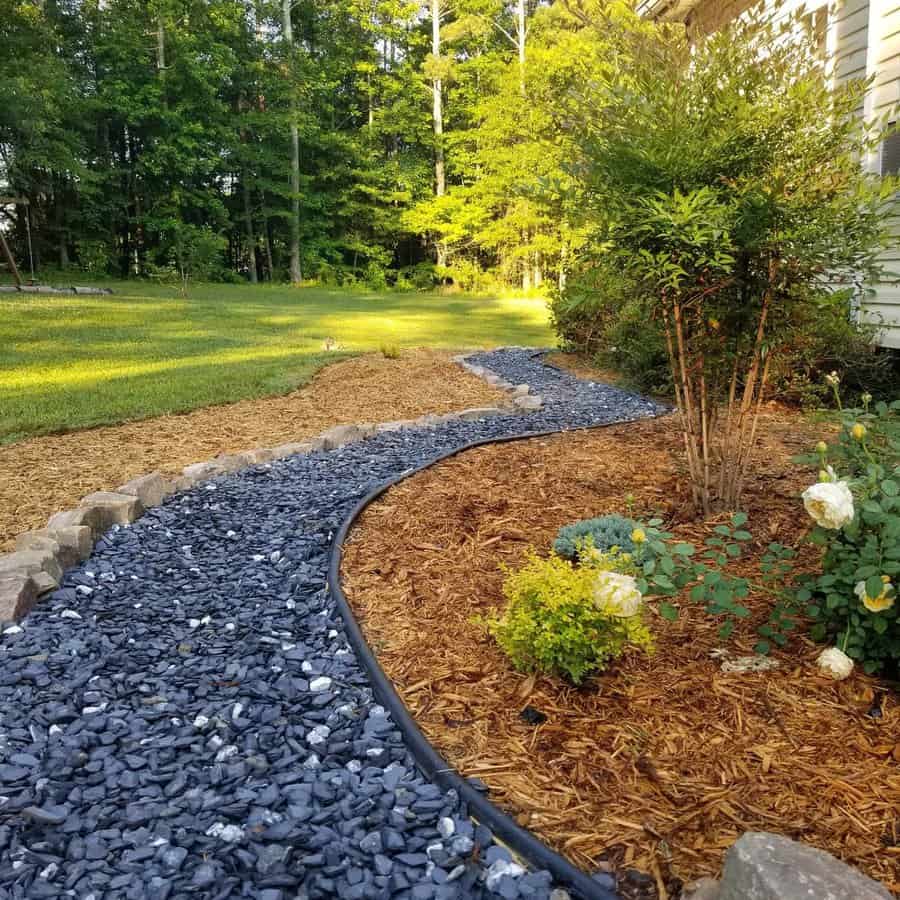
(69, 362)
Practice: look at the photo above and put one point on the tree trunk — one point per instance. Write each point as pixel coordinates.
(60, 225)
(296, 272)
(521, 33)
(160, 44)
(438, 111)
(267, 244)
(248, 229)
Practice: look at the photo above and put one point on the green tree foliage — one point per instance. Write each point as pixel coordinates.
(153, 128)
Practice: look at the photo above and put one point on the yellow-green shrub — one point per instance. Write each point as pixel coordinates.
(557, 622)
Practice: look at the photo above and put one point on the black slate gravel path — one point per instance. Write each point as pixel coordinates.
(183, 717)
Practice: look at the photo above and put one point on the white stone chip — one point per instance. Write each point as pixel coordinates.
(498, 869)
(69, 614)
(322, 683)
(318, 735)
(231, 834)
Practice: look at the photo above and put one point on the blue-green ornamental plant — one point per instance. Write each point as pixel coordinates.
(603, 533)
(856, 507)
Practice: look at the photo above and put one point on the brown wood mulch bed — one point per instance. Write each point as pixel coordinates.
(45, 474)
(663, 761)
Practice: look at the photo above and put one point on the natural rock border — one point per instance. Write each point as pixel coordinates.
(41, 556)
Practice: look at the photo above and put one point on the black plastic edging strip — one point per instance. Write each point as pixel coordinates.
(432, 764)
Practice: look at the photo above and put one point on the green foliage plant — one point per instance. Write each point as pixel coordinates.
(723, 180)
(853, 601)
(563, 620)
(390, 351)
(667, 567)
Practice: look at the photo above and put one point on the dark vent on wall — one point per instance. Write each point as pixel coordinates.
(890, 154)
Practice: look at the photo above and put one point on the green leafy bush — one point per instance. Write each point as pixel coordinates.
(602, 533)
(602, 316)
(390, 351)
(567, 620)
(666, 567)
(856, 507)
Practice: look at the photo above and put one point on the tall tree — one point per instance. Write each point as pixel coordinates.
(295, 270)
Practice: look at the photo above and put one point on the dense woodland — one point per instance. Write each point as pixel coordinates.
(339, 140)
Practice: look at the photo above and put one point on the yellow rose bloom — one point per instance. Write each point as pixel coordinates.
(885, 600)
(821, 448)
(638, 536)
(858, 431)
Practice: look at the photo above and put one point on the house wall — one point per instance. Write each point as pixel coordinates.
(882, 305)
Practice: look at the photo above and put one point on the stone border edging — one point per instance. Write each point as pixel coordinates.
(520, 840)
(41, 556)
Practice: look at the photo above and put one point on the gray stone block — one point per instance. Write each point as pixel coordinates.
(83, 516)
(764, 866)
(340, 435)
(397, 425)
(480, 412)
(150, 489)
(30, 562)
(529, 402)
(44, 582)
(18, 593)
(258, 456)
(114, 508)
(230, 462)
(73, 542)
(284, 450)
(202, 471)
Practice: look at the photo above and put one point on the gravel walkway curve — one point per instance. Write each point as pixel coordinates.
(183, 717)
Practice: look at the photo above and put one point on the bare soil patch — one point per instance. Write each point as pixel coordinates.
(663, 761)
(45, 474)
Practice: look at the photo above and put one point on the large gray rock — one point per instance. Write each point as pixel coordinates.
(113, 508)
(150, 489)
(702, 889)
(764, 866)
(18, 593)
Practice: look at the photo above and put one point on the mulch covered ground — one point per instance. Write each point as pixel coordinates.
(46, 474)
(663, 761)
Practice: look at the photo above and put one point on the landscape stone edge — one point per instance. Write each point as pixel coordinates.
(41, 556)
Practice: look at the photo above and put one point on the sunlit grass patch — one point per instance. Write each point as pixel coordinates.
(69, 362)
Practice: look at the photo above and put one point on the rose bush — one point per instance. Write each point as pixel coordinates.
(856, 510)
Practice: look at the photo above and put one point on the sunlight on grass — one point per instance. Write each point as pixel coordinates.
(73, 362)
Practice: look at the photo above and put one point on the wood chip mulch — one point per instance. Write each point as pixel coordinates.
(663, 761)
(46, 474)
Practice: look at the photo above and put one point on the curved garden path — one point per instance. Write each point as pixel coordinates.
(184, 717)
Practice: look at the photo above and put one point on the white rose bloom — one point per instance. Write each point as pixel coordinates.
(835, 663)
(617, 593)
(829, 503)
